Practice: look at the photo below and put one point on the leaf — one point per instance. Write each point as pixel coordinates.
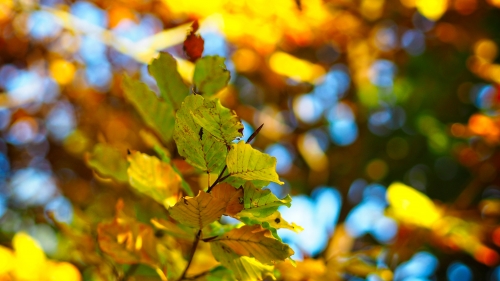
(248, 163)
(232, 197)
(158, 115)
(219, 121)
(271, 222)
(169, 81)
(108, 162)
(156, 179)
(199, 211)
(254, 241)
(198, 146)
(194, 44)
(210, 75)
(244, 268)
(216, 228)
(173, 229)
(261, 207)
(126, 240)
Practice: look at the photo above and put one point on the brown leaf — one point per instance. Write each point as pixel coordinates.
(199, 211)
(232, 197)
(194, 44)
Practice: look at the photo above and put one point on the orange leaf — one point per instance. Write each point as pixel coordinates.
(126, 240)
(232, 197)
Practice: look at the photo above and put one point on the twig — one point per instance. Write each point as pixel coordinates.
(252, 136)
(193, 250)
(217, 180)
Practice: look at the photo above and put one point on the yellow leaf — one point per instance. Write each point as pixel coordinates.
(199, 211)
(30, 258)
(254, 241)
(248, 163)
(232, 197)
(412, 206)
(6, 260)
(57, 271)
(156, 179)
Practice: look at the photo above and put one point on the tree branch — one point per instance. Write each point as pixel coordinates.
(193, 250)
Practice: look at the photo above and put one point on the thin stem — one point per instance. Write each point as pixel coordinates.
(217, 180)
(193, 250)
(252, 136)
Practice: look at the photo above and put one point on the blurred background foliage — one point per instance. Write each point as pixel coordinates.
(354, 95)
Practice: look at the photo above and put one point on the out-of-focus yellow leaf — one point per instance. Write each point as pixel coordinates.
(232, 197)
(295, 68)
(199, 211)
(432, 9)
(309, 269)
(6, 260)
(156, 179)
(126, 240)
(30, 258)
(57, 271)
(254, 241)
(108, 162)
(412, 206)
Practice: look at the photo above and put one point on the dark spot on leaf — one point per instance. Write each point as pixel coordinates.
(185, 201)
(128, 151)
(201, 133)
(159, 234)
(277, 220)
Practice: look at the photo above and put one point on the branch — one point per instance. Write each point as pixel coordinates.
(193, 250)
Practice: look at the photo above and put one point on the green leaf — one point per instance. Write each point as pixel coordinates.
(261, 207)
(248, 163)
(271, 222)
(157, 114)
(169, 81)
(254, 241)
(199, 211)
(210, 75)
(108, 162)
(154, 178)
(200, 148)
(244, 268)
(219, 121)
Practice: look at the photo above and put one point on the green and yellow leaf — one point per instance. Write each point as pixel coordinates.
(200, 148)
(210, 75)
(199, 211)
(154, 178)
(254, 241)
(244, 268)
(221, 122)
(173, 229)
(169, 81)
(245, 162)
(108, 162)
(157, 114)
